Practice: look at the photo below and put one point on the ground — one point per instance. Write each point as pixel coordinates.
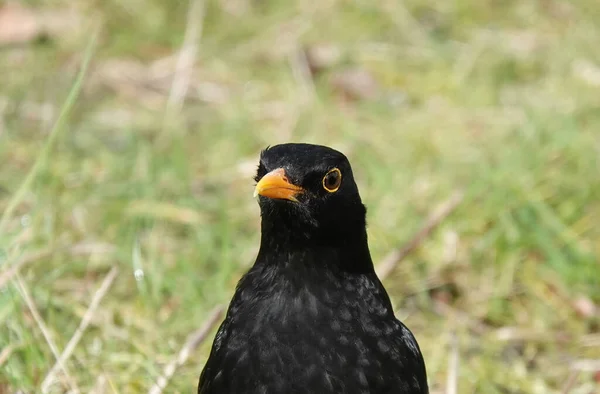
(149, 168)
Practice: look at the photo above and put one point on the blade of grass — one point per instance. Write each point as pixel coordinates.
(85, 321)
(54, 134)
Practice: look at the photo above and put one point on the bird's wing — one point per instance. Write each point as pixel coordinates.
(208, 373)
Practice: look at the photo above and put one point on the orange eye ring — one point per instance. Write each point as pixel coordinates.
(332, 180)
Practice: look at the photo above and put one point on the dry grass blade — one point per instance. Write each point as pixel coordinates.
(453, 362)
(85, 321)
(571, 380)
(7, 275)
(435, 218)
(100, 386)
(301, 71)
(465, 319)
(184, 66)
(164, 211)
(6, 352)
(45, 332)
(31, 257)
(187, 55)
(586, 365)
(194, 340)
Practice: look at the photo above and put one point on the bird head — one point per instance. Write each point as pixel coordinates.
(308, 192)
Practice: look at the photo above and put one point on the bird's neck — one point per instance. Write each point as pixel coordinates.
(291, 248)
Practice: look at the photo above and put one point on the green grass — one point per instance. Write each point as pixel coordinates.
(489, 97)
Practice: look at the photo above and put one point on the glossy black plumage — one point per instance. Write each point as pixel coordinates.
(311, 316)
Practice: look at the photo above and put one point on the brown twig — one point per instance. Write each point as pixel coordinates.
(435, 218)
(45, 332)
(193, 341)
(85, 321)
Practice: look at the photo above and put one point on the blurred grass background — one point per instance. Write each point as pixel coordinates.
(150, 172)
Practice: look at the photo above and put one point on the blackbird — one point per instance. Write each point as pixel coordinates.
(311, 315)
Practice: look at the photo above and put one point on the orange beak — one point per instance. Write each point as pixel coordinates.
(276, 185)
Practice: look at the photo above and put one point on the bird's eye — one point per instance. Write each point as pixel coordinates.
(332, 180)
